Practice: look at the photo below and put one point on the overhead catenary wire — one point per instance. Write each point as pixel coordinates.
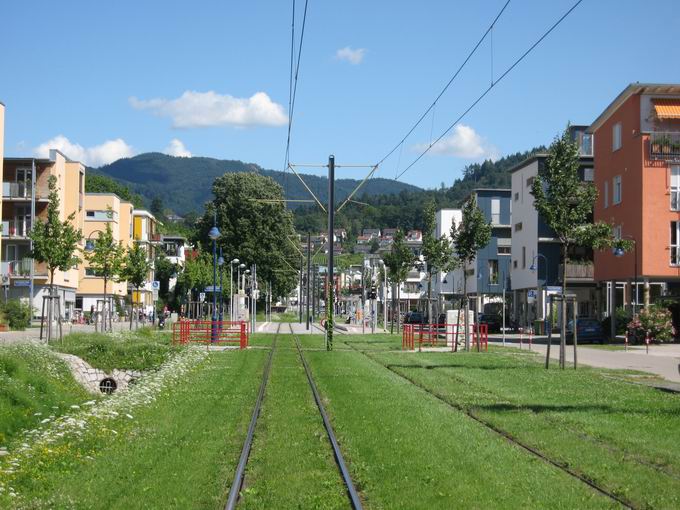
(487, 90)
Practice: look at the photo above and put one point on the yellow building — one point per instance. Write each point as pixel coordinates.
(145, 233)
(100, 210)
(24, 201)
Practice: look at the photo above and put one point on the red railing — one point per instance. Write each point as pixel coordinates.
(443, 335)
(210, 333)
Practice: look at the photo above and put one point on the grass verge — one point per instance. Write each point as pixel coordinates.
(291, 464)
(176, 451)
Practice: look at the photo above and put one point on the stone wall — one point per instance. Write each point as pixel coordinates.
(91, 378)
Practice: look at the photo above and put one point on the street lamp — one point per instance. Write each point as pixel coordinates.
(214, 234)
(534, 267)
(620, 252)
(220, 263)
(231, 287)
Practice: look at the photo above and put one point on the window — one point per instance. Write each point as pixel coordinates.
(675, 188)
(495, 211)
(616, 136)
(90, 272)
(493, 272)
(101, 215)
(588, 175)
(518, 226)
(514, 264)
(530, 182)
(675, 243)
(516, 197)
(524, 257)
(606, 194)
(616, 188)
(586, 144)
(616, 231)
(503, 250)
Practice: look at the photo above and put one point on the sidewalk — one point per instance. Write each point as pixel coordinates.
(662, 360)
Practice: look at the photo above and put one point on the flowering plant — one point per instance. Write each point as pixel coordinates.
(655, 321)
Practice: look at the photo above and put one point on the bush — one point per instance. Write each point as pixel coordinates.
(17, 314)
(655, 321)
(622, 319)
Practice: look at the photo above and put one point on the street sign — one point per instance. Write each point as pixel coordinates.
(155, 285)
(210, 289)
(531, 294)
(22, 283)
(201, 297)
(154, 293)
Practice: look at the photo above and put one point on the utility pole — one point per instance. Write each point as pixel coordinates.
(309, 272)
(331, 230)
(363, 300)
(300, 292)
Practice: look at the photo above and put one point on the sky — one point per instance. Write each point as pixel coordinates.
(104, 80)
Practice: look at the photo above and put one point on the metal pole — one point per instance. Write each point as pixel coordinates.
(636, 277)
(214, 314)
(331, 229)
(221, 288)
(300, 292)
(231, 291)
(504, 310)
(32, 270)
(363, 300)
(254, 295)
(309, 272)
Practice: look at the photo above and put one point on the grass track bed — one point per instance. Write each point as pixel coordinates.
(178, 452)
(406, 449)
(620, 436)
(291, 464)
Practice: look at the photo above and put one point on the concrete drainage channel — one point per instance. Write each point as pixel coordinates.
(96, 380)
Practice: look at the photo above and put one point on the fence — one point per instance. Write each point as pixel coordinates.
(222, 333)
(443, 335)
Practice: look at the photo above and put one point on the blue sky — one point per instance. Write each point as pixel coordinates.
(210, 78)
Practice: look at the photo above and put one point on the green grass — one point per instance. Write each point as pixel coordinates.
(622, 436)
(34, 384)
(140, 350)
(291, 464)
(180, 451)
(406, 449)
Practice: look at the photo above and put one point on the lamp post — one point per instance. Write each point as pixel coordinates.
(238, 287)
(213, 234)
(246, 275)
(231, 288)
(220, 263)
(619, 252)
(534, 267)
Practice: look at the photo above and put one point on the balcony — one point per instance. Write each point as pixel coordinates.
(578, 272)
(665, 146)
(21, 190)
(16, 268)
(15, 229)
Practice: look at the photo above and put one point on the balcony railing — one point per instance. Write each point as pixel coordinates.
(665, 145)
(22, 190)
(16, 268)
(14, 228)
(577, 271)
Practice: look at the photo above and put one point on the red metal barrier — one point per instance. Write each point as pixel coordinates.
(222, 333)
(482, 336)
(442, 335)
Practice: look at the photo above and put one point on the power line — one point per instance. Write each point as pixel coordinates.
(500, 78)
(455, 75)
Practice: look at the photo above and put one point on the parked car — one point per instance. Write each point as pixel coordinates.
(588, 330)
(414, 318)
(493, 321)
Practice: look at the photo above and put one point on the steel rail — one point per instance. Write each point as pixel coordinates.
(339, 459)
(237, 483)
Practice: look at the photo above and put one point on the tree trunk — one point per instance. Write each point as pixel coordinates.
(392, 318)
(563, 324)
(466, 319)
(429, 299)
(398, 307)
(104, 307)
(132, 307)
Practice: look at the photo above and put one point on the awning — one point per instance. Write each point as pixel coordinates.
(667, 108)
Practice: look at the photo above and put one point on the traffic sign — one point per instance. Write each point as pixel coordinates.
(209, 288)
(201, 297)
(155, 285)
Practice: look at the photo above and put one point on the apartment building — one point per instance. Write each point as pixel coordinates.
(2, 154)
(24, 201)
(145, 233)
(536, 270)
(100, 210)
(637, 157)
(174, 248)
(444, 284)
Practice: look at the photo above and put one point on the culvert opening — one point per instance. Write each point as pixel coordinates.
(107, 386)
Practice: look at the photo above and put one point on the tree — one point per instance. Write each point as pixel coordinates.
(566, 205)
(375, 245)
(398, 263)
(106, 260)
(164, 270)
(255, 227)
(436, 251)
(473, 234)
(135, 270)
(55, 242)
(157, 208)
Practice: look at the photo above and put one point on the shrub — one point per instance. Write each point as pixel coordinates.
(622, 319)
(655, 321)
(17, 314)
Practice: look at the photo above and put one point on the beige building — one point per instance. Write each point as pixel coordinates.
(2, 150)
(145, 233)
(100, 210)
(24, 201)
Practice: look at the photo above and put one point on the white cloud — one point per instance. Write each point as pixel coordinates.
(354, 57)
(465, 143)
(98, 155)
(206, 109)
(177, 149)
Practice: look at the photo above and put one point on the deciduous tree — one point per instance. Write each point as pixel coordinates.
(398, 263)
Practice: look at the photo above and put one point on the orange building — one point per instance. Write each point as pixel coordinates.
(637, 161)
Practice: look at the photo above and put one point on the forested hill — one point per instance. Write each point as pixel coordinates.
(404, 210)
(185, 184)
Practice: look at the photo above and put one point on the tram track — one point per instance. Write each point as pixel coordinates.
(504, 434)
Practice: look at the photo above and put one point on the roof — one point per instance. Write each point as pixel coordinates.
(143, 212)
(528, 161)
(633, 88)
